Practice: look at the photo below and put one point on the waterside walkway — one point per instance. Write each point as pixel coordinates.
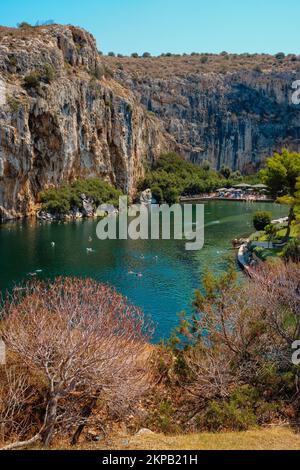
(216, 198)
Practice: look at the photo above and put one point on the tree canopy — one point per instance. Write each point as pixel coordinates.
(177, 177)
(281, 173)
(282, 176)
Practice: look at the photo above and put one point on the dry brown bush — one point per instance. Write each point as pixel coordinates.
(167, 67)
(86, 343)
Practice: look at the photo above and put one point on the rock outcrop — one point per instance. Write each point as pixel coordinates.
(146, 197)
(62, 116)
(233, 118)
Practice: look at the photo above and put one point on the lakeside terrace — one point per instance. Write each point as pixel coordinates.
(241, 192)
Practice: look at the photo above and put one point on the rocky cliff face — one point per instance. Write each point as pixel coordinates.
(75, 122)
(235, 117)
(67, 112)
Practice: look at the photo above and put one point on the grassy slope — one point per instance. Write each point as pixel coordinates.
(273, 438)
(263, 439)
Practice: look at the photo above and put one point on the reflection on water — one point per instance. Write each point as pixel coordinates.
(159, 275)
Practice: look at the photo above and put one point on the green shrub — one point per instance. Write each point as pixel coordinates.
(236, 175)
(259, 251)
(12, 60)
(292, 251)
(56, 201)
(163, 419)
(225, 171)
(206, 165)
(99, 72)
(68, 197)
(94, 87)
(271, 232)
(25, 25)
(108, 72)
(49, 73)
(226, 416)
(158, 194)
(171, 195)
(244, 409)
(14, 104)
(33, 80)
(261, 219)
(236, 413)
(194, 187)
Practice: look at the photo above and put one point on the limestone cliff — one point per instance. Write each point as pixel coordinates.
(228, 109)
(62, 116)
(68, 112)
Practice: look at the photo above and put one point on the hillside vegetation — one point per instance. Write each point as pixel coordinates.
(168, 65)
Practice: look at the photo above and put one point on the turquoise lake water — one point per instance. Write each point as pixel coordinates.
(170, 274)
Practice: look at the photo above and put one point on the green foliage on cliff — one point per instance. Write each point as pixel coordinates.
(32, 80)
(68, 197)
(14, 104)
(46, 74)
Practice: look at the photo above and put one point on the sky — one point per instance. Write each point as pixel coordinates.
(177, 26)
